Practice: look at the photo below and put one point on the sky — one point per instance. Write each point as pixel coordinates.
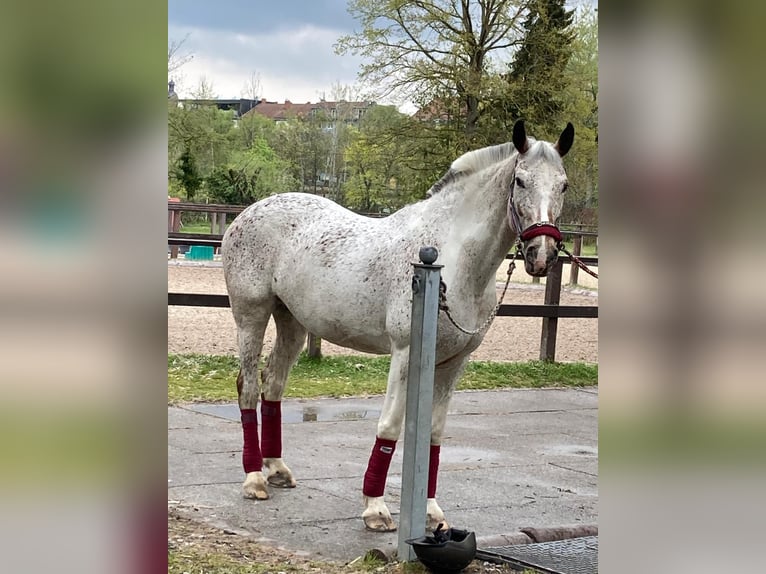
(286, 44)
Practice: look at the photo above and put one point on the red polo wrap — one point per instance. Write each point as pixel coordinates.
(377, 467)
(541, 229)
(433, 469)
(271, 433)
(252, 460)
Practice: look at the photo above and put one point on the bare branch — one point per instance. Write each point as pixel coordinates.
(176, 59)
(252, 88)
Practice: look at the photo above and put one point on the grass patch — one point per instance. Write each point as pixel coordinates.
(586, 249)
(196, 227)
(207, 378)
(484, 375)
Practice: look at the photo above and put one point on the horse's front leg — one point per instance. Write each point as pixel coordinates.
(376, 515)
(446, 377)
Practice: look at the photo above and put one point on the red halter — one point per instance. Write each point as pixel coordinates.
(536, 229)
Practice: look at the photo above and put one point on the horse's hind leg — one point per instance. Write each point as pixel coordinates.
(376, 515)
(446, 377)
(251, 326)
(291, 338)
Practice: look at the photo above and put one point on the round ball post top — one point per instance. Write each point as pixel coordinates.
(428, 255)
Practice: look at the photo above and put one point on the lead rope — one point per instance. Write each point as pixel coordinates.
(577, 260)
(443, 299)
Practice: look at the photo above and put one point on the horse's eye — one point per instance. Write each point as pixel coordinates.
(519, 182)
(566, 186)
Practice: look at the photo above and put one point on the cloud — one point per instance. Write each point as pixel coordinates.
(297, 64)
(259, 17)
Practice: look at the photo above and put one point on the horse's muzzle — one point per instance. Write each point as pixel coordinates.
(539, 258)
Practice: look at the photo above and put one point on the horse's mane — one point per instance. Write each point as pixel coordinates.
(474, 161)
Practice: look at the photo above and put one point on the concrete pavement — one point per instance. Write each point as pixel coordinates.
(510, 459)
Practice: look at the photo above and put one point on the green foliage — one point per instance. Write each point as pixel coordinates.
(306, 145)
(251, 129)
(537, 75)
(581, 107)
(250, 175)
(437, 54)
(188, 174)
(420, 50)
(377, 156)
(212, 378)
(201, 132)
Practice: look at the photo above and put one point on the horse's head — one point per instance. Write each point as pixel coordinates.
(537, 196)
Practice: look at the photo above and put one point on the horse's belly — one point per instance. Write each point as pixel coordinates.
(345, 321)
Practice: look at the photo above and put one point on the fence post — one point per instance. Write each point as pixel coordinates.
(574, 269)
(551, 324)
(174, 225)
(417, 419)
(314, 347)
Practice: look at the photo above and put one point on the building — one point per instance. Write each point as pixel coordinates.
(348, 112)
(240, 106)
(440, 112)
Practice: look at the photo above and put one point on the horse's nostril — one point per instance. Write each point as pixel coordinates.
(552, 256)
(531, 253)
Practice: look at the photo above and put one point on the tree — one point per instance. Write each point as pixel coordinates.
(177, 58)
(200, 132)
(537, 78)
(250, 128)
(252, 174)
(377, 160)
(305, 144)
(338, 125)
(426, 49)
(188, 174)
(252, 88)
(581, 108)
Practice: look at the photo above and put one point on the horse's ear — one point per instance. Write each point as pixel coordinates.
(566, 139)
(520, 137)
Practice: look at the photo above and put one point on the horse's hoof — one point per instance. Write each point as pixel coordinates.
(255, 493)
(280, 480)
(434, 516)
(376, 515)
(433, 525)
(379, 523)
(255, 487)
(278, 473)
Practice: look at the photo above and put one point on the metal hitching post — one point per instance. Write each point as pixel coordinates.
(420, 379)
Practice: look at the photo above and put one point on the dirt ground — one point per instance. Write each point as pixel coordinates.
(192, 540)
(212, 331)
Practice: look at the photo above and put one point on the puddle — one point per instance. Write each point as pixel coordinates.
(296, 413)
(327, 413)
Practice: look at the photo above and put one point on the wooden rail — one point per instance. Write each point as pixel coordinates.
(208, 239)
(550, 311)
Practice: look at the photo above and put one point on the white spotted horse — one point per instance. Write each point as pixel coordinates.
(317, 267)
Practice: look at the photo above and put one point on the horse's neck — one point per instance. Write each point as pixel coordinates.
(478, 238)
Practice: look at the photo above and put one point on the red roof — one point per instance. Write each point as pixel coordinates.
(282, 111)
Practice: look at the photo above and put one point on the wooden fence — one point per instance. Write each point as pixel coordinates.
(550, 311)
(218, 215)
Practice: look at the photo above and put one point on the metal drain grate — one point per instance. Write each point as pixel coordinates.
(571, 556)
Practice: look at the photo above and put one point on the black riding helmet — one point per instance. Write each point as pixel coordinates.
(447, 551)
